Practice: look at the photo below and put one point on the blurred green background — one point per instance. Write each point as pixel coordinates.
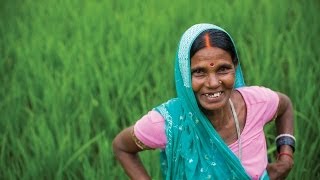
(73, 73)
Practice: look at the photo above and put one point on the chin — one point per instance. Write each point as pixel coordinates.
(213, 106)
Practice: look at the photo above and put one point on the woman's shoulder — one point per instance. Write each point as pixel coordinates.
(170, 102)
(166, 108)
(253, 88)
(256, 94)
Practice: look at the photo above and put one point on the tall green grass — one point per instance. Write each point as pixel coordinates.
(74, 73)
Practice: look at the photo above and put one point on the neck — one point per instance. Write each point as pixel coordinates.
(219, 118)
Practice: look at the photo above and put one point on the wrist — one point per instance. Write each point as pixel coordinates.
(286, 157)
(285, 149)
(285, 140)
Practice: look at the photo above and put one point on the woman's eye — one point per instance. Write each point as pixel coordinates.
(224, 70)
(197, 72)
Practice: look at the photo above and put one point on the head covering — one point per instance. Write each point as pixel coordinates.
(194, 149)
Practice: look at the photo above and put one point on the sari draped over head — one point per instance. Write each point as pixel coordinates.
(194, 149)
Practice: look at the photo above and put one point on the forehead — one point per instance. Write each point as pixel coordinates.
(211, 53)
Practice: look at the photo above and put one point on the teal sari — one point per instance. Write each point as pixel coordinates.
(194, 149)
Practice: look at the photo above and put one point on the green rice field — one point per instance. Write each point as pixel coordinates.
(73, 73)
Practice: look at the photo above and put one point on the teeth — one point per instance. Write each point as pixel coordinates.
(217, 94)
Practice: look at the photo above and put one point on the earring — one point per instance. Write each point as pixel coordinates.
(220, 82)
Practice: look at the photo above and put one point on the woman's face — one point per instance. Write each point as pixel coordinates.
(213, 76)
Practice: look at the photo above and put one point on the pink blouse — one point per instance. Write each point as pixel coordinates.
(261, 106)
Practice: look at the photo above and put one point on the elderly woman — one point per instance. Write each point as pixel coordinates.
(213, 129)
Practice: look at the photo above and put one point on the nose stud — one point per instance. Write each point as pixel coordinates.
(220, 82)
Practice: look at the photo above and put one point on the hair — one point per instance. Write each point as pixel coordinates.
(214, 38)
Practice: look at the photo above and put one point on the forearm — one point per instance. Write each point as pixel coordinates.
(132, 165)
(284, 127)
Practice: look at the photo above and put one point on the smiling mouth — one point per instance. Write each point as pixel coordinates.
(213, 95)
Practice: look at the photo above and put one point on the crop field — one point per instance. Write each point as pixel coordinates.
(74, 73)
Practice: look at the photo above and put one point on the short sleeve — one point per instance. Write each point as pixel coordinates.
(261, 101)
(150, 130)
(272, 102)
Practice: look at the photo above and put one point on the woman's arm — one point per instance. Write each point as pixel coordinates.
(284, 125)
(126, 151)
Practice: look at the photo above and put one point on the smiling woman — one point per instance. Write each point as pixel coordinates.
(214, 127)
(212, 85)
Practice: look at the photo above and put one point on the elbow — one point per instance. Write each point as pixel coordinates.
(122, 145)
(119, 146)
(116, 147)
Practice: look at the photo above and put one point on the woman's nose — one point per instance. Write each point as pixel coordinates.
(213, 81)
